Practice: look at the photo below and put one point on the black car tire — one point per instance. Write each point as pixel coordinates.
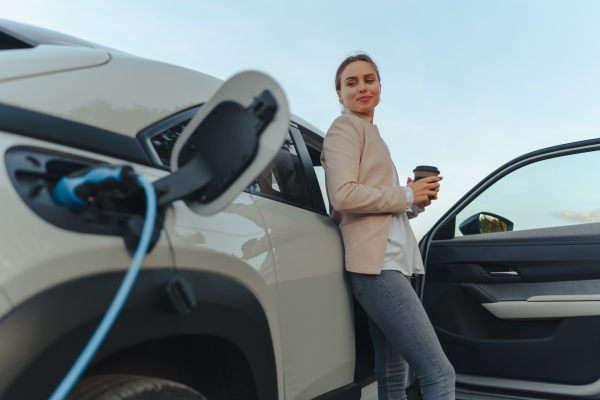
(129, 387)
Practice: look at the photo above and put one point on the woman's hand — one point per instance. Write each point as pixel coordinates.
(422, 190)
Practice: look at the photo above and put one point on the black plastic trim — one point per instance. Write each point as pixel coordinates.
(516, 393)
(9, 42)
(478, 293)
(70, 133)
(309, 171)
(452, 309)
(40, 339)
(538, 262)
(312, 135)
(146, 134)
(465, 273)
(568, 356)
(348, 392)
(447, 231)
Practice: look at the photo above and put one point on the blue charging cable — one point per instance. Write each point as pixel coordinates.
(113, 311)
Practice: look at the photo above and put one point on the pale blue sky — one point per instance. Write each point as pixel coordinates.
(466, 84)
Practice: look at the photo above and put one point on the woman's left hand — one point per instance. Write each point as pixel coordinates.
(427, 202)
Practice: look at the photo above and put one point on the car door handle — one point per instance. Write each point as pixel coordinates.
(504, 273)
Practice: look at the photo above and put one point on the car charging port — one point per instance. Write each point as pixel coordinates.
(113, 211)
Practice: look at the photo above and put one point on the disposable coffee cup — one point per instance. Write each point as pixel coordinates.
(423, 171)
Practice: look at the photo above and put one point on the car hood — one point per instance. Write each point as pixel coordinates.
(47, 59)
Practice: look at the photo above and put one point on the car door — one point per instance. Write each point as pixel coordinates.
(512, 284)
(314, 300)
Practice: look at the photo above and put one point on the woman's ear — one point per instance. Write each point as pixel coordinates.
(340, 96)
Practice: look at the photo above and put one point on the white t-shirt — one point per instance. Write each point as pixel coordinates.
(402, 252)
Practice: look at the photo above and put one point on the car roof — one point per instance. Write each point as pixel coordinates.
(125, 94)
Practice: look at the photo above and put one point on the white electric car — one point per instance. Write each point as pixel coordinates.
(263, 309)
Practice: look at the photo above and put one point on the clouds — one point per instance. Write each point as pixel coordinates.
(585, 216)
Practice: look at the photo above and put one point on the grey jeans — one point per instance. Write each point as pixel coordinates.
(402, 333)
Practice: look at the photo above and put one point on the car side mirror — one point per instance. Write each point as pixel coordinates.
(230, 140)
(485, 222)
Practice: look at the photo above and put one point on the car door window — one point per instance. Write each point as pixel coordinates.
(549, 193)
(158, 140)
(284, 177)
(314, 149)
(163, 142)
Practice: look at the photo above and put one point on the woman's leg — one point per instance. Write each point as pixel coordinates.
(390, 366)
(392, 303)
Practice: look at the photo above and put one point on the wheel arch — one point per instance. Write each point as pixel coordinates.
(41, 338)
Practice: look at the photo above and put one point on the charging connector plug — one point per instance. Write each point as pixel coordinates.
(77, 190)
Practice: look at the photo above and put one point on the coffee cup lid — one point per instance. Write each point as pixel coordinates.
(427, 168)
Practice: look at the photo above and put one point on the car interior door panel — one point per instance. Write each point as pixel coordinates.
(510, 334)
(515, 295)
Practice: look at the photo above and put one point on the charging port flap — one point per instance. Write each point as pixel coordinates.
(230, 140)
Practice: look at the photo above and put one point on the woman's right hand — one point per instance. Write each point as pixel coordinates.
(422, 189)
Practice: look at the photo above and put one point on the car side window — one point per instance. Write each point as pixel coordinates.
(158, 140)
(163, 142)
(284, 177)
(314, 149)
(549, 193)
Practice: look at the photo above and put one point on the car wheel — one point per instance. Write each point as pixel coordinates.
(129, 387)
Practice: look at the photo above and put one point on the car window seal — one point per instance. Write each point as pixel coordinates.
(310, 175)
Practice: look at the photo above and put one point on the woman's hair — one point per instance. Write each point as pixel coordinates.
(360, 56)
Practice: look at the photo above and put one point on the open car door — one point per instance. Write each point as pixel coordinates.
(512, 284)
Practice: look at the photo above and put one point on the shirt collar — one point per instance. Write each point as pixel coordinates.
(361, 116)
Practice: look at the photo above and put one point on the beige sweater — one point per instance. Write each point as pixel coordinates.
(359, 178)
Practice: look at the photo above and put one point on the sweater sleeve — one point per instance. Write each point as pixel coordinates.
(341, 157)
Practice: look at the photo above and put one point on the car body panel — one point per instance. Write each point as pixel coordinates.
(314, 297)
(124, 96)
(119, 95)
(48, 59)
(53, 327)
(52, 255)
(36, 255)
(233, 243)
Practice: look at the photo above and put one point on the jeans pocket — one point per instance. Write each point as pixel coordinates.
(357, 285)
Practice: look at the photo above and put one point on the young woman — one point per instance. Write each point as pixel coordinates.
(381, 251)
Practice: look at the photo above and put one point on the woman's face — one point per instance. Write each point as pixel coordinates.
(360, 88)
